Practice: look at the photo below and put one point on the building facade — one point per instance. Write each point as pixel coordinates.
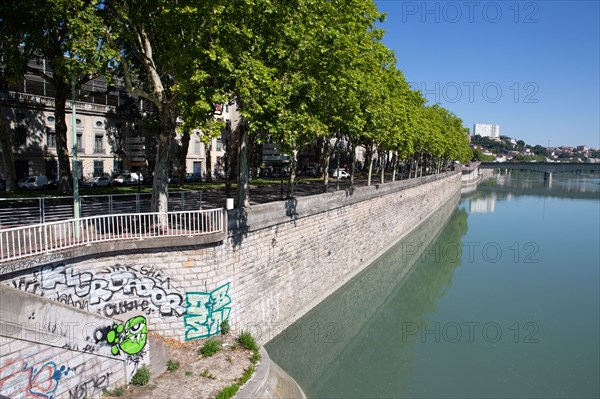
(110, 134)
(487, 130)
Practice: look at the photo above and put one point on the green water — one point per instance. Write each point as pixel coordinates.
(496, 297)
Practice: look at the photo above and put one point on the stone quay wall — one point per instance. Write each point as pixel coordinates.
(278, 261)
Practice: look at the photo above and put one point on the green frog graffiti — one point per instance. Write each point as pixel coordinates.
(129, 337)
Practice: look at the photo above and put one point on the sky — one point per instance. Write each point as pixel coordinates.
(532, 67)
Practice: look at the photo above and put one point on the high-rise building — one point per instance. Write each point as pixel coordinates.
(486, 130)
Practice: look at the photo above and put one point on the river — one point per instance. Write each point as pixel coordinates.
(496, 296)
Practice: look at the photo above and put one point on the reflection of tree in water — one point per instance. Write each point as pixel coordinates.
(350, 344)
(379, 360)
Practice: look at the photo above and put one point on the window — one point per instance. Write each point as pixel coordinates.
(80, 169)
(219, 145)
(99, 123)
(99, 144)
(20, 135)
(50, 139)
(196, 146)
(50, 119)
(226, 107)
(78, 121)
(118, 167)
(98, 168)
(79, 142)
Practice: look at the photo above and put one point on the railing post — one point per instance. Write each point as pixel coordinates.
(45, 233)
(42, 211)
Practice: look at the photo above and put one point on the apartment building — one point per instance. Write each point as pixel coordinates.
(110, 133)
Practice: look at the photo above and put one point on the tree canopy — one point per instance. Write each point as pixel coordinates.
(300, 72)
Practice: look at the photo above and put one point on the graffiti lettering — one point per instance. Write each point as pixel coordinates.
(67, 299)
(205, 312)
(90, 387)
(17, 379)
(37, 261)
(25, 285)
(87, 291)
(115, 309)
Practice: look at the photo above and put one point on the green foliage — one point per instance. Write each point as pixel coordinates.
(172, 365)
(247, 341)
(117, 392)
(478, 155)
(255, 358)
(228, 392)
(246, 376)
(141, 376)
(189, 373)
(301, 71)
(205, 373)
(225, 327)
(210, 347)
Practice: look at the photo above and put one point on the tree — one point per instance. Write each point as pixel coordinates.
(168, 56)
(68, 35)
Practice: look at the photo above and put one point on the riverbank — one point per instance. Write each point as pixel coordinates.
(278, 261)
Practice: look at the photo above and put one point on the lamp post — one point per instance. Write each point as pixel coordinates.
(76, 199)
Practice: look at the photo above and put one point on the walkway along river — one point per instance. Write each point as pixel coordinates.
(503, 303)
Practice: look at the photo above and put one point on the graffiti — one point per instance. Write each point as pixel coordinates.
(33, 262)
(26, 285)
(85, 290)
(205, 312)
(88, 348)
(88, 388)
(129, 337)
(67, 299)
(115, 309)
(17, 379)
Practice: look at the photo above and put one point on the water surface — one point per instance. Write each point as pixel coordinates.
(499, 300)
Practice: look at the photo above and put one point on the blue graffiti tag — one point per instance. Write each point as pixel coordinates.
(205, 312)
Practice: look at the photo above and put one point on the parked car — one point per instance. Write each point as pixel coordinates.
(342, 174)
(193, 177)
(102, 181)
(126, 178)
(33, 183)
(312, 170)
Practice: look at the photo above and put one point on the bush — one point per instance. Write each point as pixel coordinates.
(172, 365)
(210, 347)
(247, 341)
(225, 327)
(141, 377)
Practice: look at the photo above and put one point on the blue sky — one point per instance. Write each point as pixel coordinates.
(533, 67)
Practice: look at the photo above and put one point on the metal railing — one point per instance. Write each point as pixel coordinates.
(38, 239)
(20, 211)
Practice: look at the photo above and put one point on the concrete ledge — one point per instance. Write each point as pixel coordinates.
(257, 217)
(270, 381)
(113, 248)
